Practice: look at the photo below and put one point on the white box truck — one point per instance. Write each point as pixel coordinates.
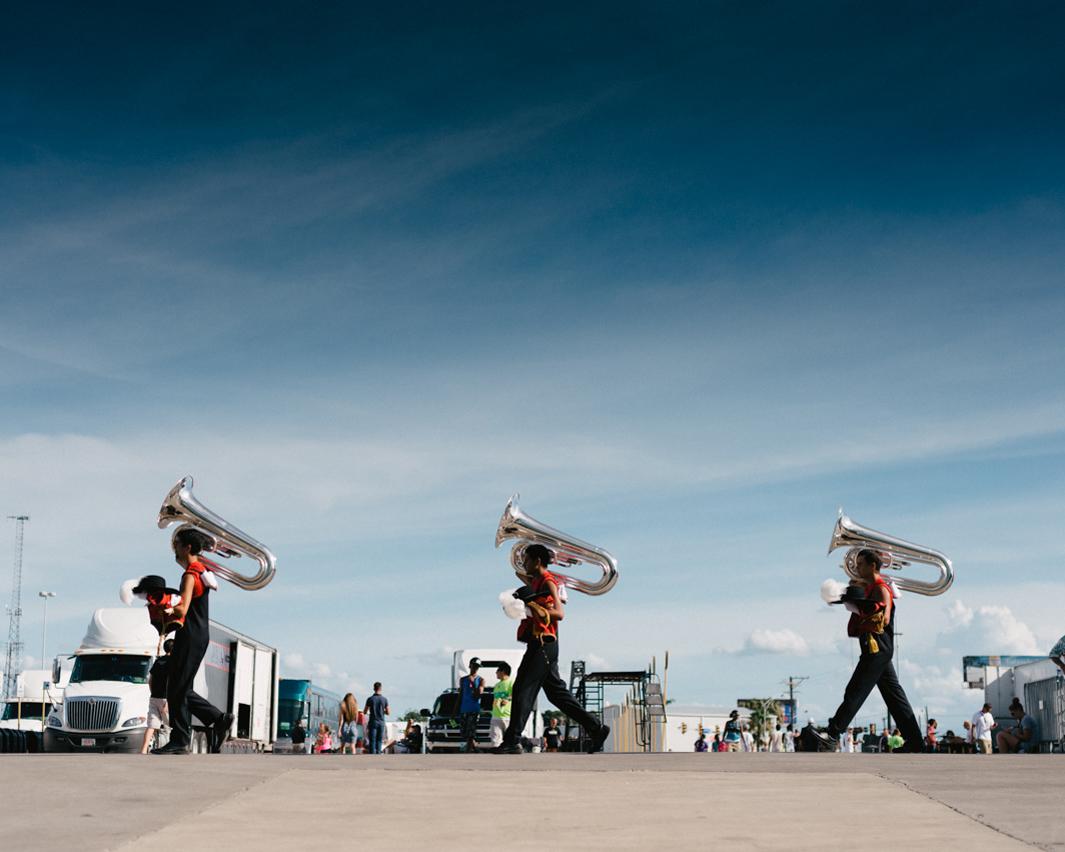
(105, 703)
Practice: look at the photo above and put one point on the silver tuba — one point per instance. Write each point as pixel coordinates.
(565, 550)
(180, 507)
(896, 553)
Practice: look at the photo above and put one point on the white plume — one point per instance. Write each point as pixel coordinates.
(513, 607)
(832, 590)
(125, 592)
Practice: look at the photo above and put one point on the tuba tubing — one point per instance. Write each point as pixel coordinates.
(565, 549)
(181, 507)
(898, 553)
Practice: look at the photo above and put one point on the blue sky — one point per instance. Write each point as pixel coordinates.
(688, 279)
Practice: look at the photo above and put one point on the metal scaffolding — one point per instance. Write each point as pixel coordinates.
(13, 659)
(645, 699)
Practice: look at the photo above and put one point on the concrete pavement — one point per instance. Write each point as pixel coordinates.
(675, 801)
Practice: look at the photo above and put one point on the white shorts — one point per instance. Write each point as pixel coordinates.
(496, 731)
(157, 713)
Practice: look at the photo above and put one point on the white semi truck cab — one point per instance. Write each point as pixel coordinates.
(105, 704)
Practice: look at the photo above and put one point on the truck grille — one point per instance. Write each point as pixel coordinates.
(91, 714)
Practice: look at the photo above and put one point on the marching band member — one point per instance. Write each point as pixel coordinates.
(539, 665)
(190, 646)
(873, 624)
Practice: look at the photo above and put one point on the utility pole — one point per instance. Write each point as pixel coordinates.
(44, 629)
(13, 660)
(794, 681)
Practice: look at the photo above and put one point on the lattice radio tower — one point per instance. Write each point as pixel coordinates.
(13, 663)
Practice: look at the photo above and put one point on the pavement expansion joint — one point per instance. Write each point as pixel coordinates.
(977, 819)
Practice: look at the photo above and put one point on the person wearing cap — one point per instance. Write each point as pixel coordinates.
(190, 647)
(471, 686)
(539, 665)
(161, 600)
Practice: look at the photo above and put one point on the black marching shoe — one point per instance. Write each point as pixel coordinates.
(599, 739)
(220, 732)
(815, 740)
(170, 748)
(508, 749)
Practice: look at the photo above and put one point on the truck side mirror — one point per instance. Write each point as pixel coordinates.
(57, 671)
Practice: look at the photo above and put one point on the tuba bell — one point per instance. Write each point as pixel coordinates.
(565, 550)
(181, 507)
(897, 554)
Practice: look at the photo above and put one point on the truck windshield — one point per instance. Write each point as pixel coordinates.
(447, 704)
(125, 667)
(30, 710)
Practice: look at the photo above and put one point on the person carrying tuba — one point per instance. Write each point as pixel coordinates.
(872, 623)
(190, 646)
(539, 666)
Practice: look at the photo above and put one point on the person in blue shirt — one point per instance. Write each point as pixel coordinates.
(376, 709)
(470, 704)
(1022, 738)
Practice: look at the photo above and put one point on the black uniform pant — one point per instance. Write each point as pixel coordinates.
(877, 670)
(181, 700)
(539, 670)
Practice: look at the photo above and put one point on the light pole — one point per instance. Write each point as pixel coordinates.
(44, 631)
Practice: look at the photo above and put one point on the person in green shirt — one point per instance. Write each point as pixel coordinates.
(895, 741)
(501, 698)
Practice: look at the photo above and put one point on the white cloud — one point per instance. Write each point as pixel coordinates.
(594, 662)
(294, 660)
(988, 629)
(769, 641)
(939, 687)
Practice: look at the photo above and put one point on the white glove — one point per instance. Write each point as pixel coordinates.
(512, 607)
(125, 592)
(832, 590)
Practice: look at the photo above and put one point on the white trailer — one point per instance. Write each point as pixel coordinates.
(105, 703)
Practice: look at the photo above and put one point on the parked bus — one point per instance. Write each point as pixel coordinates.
(300, 699)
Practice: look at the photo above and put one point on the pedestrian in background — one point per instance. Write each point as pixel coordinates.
(299, 737)
(776, 742)
(376, 709)
(552, 736)
(733, 739)
(930, 743)
(471, 686)
(980, 729)
(502, 694)
(846, 741)
(747, 738)
(347, 724)
(700, 744)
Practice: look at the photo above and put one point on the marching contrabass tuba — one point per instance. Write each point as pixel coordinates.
(897, 554)
(181, 507)
(565, 550)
